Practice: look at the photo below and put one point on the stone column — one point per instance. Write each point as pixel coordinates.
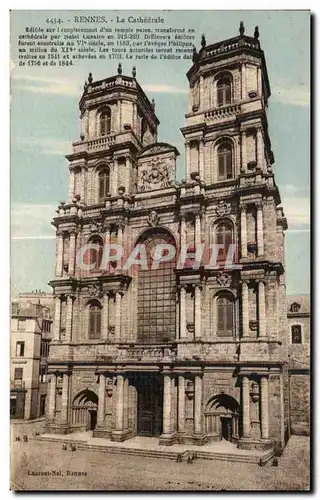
(106, 266)
(182, 231)
(119, 402)
(201, 159)
(57, 318)
(260, 242)
(166, 404)
(115, 178)
(83, 184)
(126, 404)
(187, 161)
(183, 331)
(246, 425)
(262, 331)
(245, 309)
(244, 243)
(120, 226)
(259, 83)
(86, 125)
(201, 103)
(102, 399)
(198, 404)
(134, 118)
(72, 252)
(197, 311)
(264, 402)
(119, 116)
(69, 317)
(105, 317)
(244, 151)
(197, 230)
(117, 330)
(127, 183)
(82, 126)
(59, 257)
(71, 184)
(65, 398)
(243, 82)
(260, 152)
(51, 409)
(181, 404)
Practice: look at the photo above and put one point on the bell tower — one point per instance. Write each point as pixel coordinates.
(226, 130)
(116, 121)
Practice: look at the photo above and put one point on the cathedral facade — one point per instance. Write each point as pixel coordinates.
(187, 353)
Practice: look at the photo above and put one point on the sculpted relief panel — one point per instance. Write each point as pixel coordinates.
(158, 173)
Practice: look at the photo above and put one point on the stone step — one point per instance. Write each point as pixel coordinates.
(168, 455)
(254, 459)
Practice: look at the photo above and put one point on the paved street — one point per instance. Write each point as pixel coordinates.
(119, 472)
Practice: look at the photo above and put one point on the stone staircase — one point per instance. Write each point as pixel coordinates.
(176, 453)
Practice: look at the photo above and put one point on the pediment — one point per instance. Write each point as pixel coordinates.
(158, 148)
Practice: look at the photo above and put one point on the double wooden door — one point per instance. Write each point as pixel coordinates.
(150, 401)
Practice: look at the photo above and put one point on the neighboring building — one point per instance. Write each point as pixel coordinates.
(30, 340)
(299, 362)
(36, 297)
(189, 355)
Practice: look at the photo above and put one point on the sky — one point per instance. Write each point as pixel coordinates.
(45, 121)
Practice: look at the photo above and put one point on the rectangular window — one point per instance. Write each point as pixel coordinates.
(20, 349)
(43, 374)
(44, 350)
(21, 325)
(18, 373)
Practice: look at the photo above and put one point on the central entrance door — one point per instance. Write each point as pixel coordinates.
(150, 397)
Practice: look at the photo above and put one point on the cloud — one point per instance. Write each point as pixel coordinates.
(42, 84)
(290, 190)
(164, 89)
(32, 221)
(297, 210)
(42, 145)
(296, 96)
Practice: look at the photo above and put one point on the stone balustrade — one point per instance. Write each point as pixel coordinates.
(215, 351)
(101, 143)
(227, 111)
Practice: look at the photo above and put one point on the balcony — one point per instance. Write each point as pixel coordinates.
(101, 143)
(17, 385)
(223, 112)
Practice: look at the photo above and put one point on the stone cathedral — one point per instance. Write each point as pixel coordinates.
(192, 354)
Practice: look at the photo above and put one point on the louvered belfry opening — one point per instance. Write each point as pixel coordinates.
(156, 293)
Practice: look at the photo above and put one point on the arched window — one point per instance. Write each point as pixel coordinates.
(156, 300)
(94, 254)
(105, 121)
(224, 91)
(295, 307)
(296, 334)
(225, 316)
(104, 183)
(94, 320)
(224, 238)
(224, 162)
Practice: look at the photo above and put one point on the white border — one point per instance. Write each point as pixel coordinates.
(4, 198)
